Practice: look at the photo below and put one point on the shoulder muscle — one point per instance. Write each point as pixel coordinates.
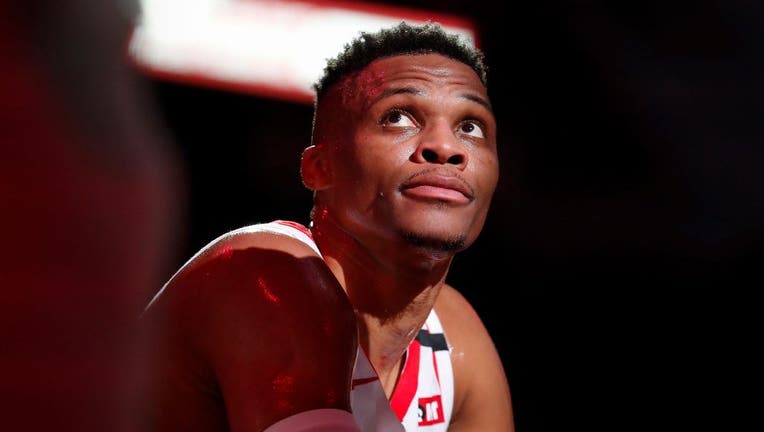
(266, 316)
(482, 399)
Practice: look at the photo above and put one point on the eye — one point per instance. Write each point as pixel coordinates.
(472, 128)
(397, 119)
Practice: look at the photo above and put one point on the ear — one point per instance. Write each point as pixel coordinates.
(315, 169)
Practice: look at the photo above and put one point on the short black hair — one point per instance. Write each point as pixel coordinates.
(401, 39)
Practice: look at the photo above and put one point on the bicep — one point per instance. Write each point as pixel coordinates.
(486, 404)
(275, 330)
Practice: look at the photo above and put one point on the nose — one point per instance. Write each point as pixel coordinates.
(439, 144)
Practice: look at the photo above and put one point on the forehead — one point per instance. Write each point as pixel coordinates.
(418, 70)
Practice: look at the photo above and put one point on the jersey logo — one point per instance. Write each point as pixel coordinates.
(430, 410)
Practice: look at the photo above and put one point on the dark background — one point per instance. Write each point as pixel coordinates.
(616, 269)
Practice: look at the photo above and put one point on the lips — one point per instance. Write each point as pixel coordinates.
(441, 187)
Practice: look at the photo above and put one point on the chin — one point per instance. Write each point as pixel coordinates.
(447, 232)
(435, 243)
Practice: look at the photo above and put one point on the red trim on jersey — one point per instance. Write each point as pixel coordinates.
(434, 357)
(298, 226)
(406, 389)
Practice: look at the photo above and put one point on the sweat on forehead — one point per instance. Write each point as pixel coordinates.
(361, 83)
(397, 71)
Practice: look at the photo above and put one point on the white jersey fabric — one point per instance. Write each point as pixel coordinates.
(423, 399)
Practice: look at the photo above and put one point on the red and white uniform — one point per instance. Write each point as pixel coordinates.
(424, 396)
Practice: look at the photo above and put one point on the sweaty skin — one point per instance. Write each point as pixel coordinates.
(403, 183)
(252, 330)
(257, 327)
(415, 153)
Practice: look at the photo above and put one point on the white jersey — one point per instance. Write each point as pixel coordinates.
(424, 395)
(423, 399)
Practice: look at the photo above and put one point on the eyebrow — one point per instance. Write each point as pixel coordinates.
(415, 91)
(479, 100)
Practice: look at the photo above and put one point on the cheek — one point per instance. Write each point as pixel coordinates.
(370, 174)
(373, 157)
(486, 167)
(356, 174)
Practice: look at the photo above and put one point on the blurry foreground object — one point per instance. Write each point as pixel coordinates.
(88, 186)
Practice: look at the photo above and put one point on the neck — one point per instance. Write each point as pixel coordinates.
(392, 291)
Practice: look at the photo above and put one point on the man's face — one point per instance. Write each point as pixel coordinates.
(412, 151)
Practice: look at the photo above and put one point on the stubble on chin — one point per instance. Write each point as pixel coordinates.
(435, 244)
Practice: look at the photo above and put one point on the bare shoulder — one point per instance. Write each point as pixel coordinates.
(248, 272)
(455, 311)
(273, 236)
(267, 241)
(482, 398)
(237, 316)
(464, 329)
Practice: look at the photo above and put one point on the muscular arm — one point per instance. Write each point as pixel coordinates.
(252, 331)
(482, 399)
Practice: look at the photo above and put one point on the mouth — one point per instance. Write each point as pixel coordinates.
(439, 187)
